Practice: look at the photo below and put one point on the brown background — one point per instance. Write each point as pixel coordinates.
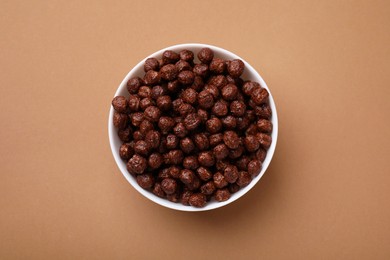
(325, 195)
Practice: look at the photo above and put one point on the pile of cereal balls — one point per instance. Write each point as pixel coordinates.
(193, 132)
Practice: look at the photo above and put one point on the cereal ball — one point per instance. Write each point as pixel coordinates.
(133, 103)
(242, 123)
(219, 81)
(176, 104)
(169, 72)
(235, 68)
(203, 115)
(174, 172)
(186, 109)
(182, 65)
(249, 86)
(217, 66)
(229, 92)
(155, 160)
(187, 145)
(264, 139)
(145, 92)
(205, 55)
(230, 173)
(237, 108)
(146, 126)
(261, 154)
(172, 141)
(151, 64)
(221, 151)
(201, 141)
(125, 134)
(146, 102)
(120, 120)
(242, 163)
(215, 139)
(187, 176)
(191, 162)
(153, 138)
(204, 173)
(214, 91)
(189, 96)
(229, 122)
(126, 151)
(197, 200)
(164, 103)
(222, 195)
(259, 95)
(192, 121)
(251, 143)
(152, 78)
(214, 125)
(244, 178)
(208, 188)
(186, 77)
(165, 124)
(158, 191)
(173, 86)
(186, 55)
(263, 111)
(169, 56)
(158, 91)
(231, 139)
(206, 159)
(137, 135)
(142, 148)
(136, 165)
(173, 157)
(264, 125)
(185, 197)
(236, 153)
(219, 180)
(180, 130)
(136, 118)
(169, 185)
(146, 181)
(152, 113)
(205, 99)
(119, 103)
(163, 174)
(220, 108)
(201, 70)
(134, 84)
(254, 167)
(198, 83)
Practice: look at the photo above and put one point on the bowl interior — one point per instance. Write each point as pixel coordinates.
(249, 74)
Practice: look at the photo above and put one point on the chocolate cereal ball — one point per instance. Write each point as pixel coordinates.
(153, 138)
(214, 125)
(215, 139)
(264, 125)
(137, 164)
(134, 103)
(201, 141)
(145, 126)
(155, 160)
(229, 92)
(182, 65)
(152, 78)
(254, 167)
(186, 77)
(142, 148)
(169, 56)
(230, 173)
(134, 84)
(205, 99)
(192, 121)
(191, 162)
(229, 122)
(251, 143)
(152, 113)
(205, 55)
(244, 178)
(186, 55)
(237, 108)
(146, 181)
(169, 185)
(189, 96)
(235, 68)
(220, 108)
(119, 103)
(208, 188)
(126, 151)
(197, 200)
(151, 64)
(166, 123)
(172, 141)
(164, 103)
(217, 66)
(259, 95)
(221, 151)
(120, 120)
(201, 70)
(231, 139)
(204, 173)
(222, 195)
(187, 176)
(187, 145)
(206, 159)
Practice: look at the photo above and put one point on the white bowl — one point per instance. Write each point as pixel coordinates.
(249, 74)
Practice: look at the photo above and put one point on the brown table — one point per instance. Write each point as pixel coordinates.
(325, 195)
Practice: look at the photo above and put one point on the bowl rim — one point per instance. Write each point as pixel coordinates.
(178, 206)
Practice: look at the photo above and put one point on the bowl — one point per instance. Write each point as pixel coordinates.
(249, 74)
